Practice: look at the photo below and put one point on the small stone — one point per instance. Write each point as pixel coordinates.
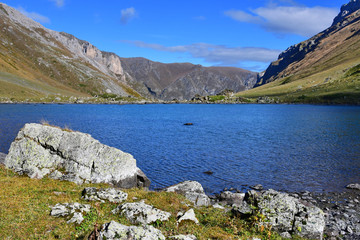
(70, 210)
(285, 235)
(257, 187)
(109, 194)
(209, 172)
(58, 193)
(349, 229)
(193, 191)
(190, 216)
(355, 186)
(183, 237)
(216, 205)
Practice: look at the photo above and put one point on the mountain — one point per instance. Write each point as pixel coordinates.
(36, 62)
(324, 68)
(184, 80)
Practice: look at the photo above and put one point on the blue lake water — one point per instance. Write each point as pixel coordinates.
(284, 147)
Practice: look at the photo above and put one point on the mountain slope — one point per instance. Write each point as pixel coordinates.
(321, 69)
(59, 63)
(183, 81)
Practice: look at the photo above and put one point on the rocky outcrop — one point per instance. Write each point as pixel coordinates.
(192, 190)
(319, 49)
(346, 10)
(73, 211)
(288, 214)
(142, 213)
(41, 150)
(116, 231)
(109, 194)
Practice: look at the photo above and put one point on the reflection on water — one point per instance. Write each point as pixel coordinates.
(285, 147)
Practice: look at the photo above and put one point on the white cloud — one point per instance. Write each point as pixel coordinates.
(217, 54)
(59, 3)
(304, 21)
(35, 16)
(127, 15)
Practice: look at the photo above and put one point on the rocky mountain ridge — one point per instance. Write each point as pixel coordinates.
(60, 60)
(299, 57)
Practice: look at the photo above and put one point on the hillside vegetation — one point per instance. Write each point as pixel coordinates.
(323, 69)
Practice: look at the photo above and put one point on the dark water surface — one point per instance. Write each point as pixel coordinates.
(284, 147)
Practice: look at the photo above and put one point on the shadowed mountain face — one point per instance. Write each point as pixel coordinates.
(331, 47)
(37, 61)
(184, 80)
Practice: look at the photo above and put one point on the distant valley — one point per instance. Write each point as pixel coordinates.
(36, 62)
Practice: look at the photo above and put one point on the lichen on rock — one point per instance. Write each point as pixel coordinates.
(114, 230)
(140, 212)
(41, 150)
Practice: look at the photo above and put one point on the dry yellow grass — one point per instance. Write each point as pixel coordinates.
(25, 212)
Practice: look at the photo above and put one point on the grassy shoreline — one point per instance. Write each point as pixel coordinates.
(25, 212)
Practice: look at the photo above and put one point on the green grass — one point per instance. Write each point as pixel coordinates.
(337, 85)
(25, 208)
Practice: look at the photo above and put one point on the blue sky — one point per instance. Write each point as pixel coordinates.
(241, 33)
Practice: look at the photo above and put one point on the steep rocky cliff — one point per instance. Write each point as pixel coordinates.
(53, 62)
(319, 49)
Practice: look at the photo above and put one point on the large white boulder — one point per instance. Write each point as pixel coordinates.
(41, 150)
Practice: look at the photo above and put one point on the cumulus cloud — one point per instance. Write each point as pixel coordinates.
(304, 21)
(217, 54)
(127, 15)
(59, 3)
(34, 16)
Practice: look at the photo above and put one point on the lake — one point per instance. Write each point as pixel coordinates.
(284, 147)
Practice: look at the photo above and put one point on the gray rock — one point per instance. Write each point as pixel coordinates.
(355, 186)
(257, 187)
(109, 194)
(216, 205)
(2, 158)
(183, 237)
(39, 150)
(285, 235)
(231, 198)
(117, 231)
(289, 214)
(242, 210)
(140, 212)
(76, 218)
(72, 211)
(192, 190)
(189, 216)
